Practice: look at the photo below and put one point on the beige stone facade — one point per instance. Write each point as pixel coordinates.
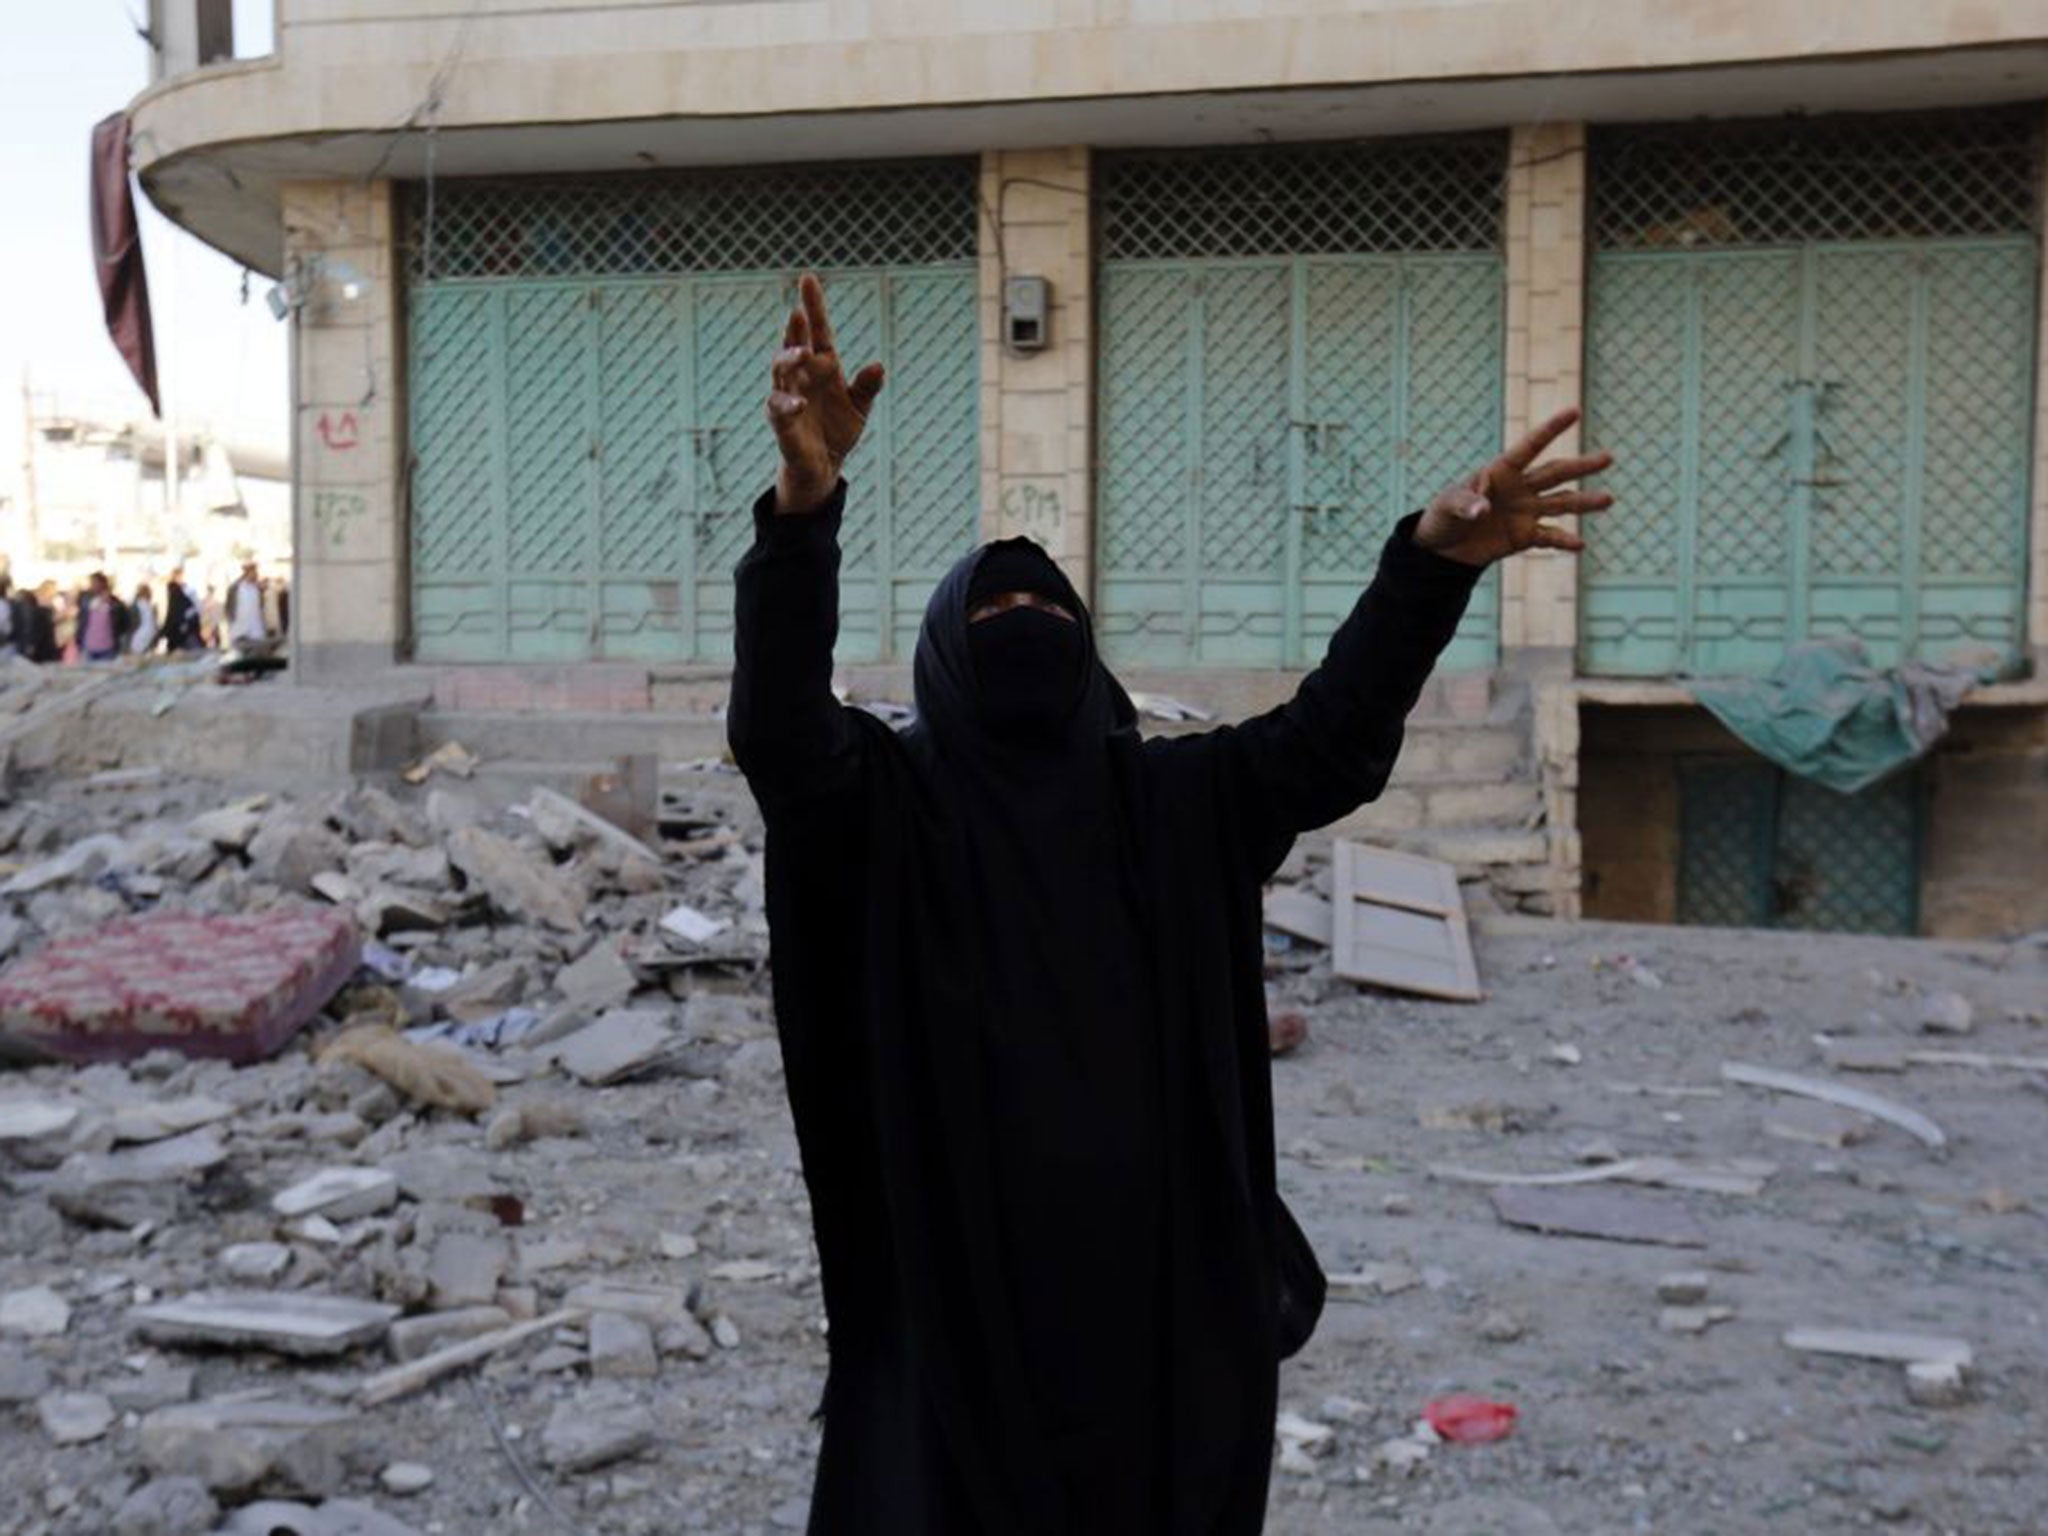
(292, 163)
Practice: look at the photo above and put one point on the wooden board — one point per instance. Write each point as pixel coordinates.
(1400, 923)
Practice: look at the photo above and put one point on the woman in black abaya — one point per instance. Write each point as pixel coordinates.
(1017, 961)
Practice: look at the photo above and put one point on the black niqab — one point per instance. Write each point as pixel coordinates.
(1020, 996)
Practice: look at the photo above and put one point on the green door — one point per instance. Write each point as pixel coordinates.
(1264, 420)
(1818, 437)
(587, 448)
(1761, 848)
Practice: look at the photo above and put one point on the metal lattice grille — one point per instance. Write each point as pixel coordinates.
(902, 213)
(1262, 425)
(1409, 195)
(1759, 848)
(1782, 181)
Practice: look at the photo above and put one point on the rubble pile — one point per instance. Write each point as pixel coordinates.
(250, 1295)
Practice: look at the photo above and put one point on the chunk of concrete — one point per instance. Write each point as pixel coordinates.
(33, 1119)
(656, 1304)
(255, 1263)
(335, 1517)
(73, 1418)
(35, 1310)
(1936, 1384)
(235, 1444)
(167, 1506)
(621, 1346)
(167, 1118)
(1947, 1013)
(600, 980)
(303, 1323)
(618, 1045)
(593, 1431)
(339, 1194)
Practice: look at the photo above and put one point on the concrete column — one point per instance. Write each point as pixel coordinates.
(1037, 459)
(348, 595)
(1546, 259)
(2037, 520)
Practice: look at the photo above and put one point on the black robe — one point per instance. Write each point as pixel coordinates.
(916, 882)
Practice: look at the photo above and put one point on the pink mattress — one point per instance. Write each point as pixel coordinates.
(235, 987)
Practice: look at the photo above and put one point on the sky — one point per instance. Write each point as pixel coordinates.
(64, 64)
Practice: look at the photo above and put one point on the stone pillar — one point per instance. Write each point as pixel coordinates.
(1037, 458)
(2037, 519)
(1546, 259)
(348, 528)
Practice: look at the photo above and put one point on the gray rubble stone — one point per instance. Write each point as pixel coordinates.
(339, 1194)
(73, 1418)
(23, 1378)
(305, 1323)
(157, 1385)
(336, 1517)
(1947, 1013)
(33, 1119)
(35, 1310)
(291, 853)
(621, 1043)
(232, 826)
(464, 1269)
(656, 1304)
(166, 1118)
(255, 1263)
(621, 1346)
(601, 979)
(234, 1445)
(405, 1478)
(592, 1431)
(167, 1506)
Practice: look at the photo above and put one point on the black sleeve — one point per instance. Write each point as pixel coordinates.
(789, 735)
(1330, 748)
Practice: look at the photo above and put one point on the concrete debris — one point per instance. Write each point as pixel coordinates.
(37, 1311)
(1692, 1319)
(593, 1431)
(255, 1263)
(600, 980)
(235, 1445)
(403, 1479)
(291, 1323)
(1936, 1384)
(339, 1194)
(73, 1418)
(692, 926)
(1947, 1013)
(618, 1045)
(333, 1517)
(34, 1119)
(1684, 1287)
(167, 1506)
(533, 1249)
(621, 1346)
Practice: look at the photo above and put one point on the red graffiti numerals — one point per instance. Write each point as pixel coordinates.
(338, 431)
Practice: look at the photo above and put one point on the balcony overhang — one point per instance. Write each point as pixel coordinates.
(227, 191)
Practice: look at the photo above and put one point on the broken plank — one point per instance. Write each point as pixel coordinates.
(400, 1380)
(1908, 1120)
(1736, 1176)
(1979, 1060)
(1399, 922)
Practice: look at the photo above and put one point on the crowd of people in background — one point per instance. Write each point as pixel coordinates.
(95, 626)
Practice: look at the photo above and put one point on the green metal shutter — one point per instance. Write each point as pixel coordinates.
(1812, 349)
(588, 363)
(1298, 348)
(1760, 848)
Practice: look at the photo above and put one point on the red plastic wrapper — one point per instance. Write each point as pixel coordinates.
(1470, 1420)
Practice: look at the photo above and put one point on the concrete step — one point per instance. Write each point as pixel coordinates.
(567, 736)
(1412, 804)
(1473, 850)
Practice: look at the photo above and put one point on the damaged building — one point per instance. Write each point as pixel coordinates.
(1203, 297)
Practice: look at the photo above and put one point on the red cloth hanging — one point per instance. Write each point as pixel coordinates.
(117, 254)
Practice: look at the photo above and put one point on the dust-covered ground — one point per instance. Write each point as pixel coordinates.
(668, 1210)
